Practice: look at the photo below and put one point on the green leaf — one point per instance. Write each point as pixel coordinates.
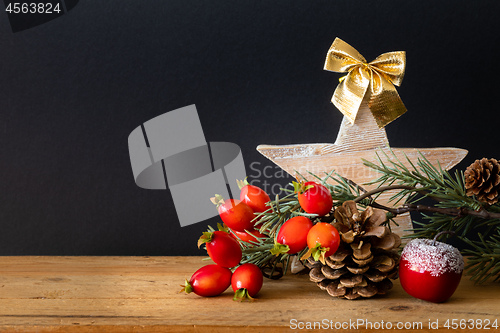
(279, 249)
(206, 237)
(318, 253)
(187, 287)
(242, 295)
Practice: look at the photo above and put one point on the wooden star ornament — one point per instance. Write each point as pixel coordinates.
(362, 133)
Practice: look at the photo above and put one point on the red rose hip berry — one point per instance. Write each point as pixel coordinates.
(314, 198)
(294, 233)
(430, 270)
(222, 248)
(246, 281)
(210, 280)
(236, 214)
(250, 236)
(253, 196)
(323, 240)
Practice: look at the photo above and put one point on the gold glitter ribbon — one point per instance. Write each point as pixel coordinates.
(377, 78)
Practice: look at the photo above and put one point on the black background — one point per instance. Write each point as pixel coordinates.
(72, 90)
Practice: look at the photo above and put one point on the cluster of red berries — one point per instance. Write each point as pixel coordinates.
(223, 247)
(297, 233)
(322, 239)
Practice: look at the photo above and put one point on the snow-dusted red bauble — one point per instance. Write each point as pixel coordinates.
(430, 270)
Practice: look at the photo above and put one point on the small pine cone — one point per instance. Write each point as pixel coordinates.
(366, 259)
(482, 179)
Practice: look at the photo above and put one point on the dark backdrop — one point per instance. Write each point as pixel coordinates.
(72, 90)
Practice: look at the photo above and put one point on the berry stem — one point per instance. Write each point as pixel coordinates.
(441, 233)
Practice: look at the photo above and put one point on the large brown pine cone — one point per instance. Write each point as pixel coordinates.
(366, 259)
(482, 179)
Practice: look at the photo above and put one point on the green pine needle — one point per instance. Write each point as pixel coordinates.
(446, 191)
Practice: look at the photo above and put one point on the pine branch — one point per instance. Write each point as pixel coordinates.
(423, 180)
(453, 210)
(381, 189)
(484, 261)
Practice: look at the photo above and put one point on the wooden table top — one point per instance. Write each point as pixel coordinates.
(141, 294)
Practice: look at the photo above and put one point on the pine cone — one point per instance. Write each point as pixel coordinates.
(482, 179)
(366, 259)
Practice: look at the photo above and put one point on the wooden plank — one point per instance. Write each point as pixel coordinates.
(121, 294)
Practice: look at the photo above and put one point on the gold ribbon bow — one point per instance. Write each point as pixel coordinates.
(376, 78)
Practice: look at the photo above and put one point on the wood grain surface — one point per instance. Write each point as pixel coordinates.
(141, 294)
